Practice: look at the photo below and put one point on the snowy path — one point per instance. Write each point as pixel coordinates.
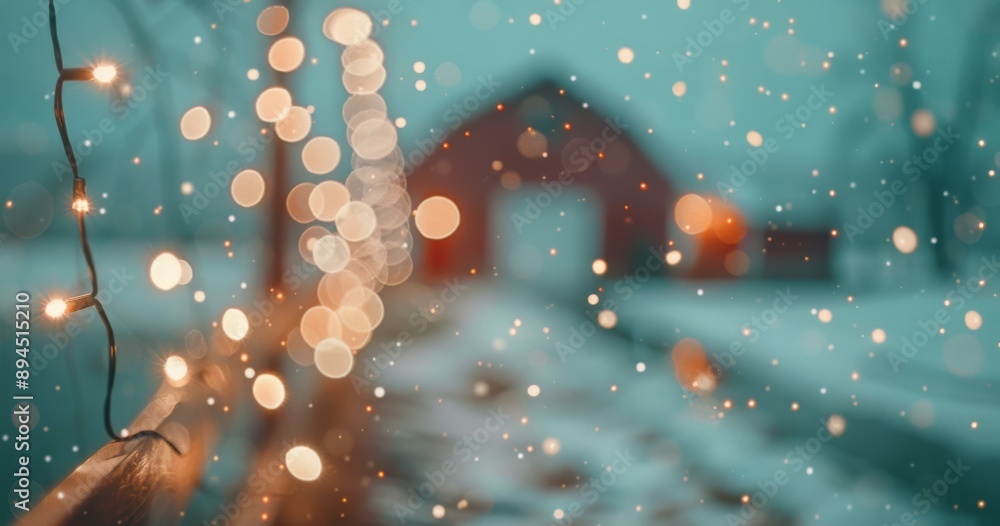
(692, 466)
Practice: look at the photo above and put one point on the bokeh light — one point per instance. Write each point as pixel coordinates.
(374, 138)
(297, 203)
(437, 217)
(247, 188)
(295, 125)
(973, 320)
(273, 104)
(286, 54)
(904, 239)
(923, 123)
(269, 391)
(334, 358)
(347, 26)
(327, 198)
(165, 271)
(331, 253)
(356, 221)
(321, 155)
(532, 144)
(235, 324)
(272, 20)
(551, 446)
(693, 214)
(196, 123)
(626, 55)
(317, 324)
(187, 273)
(607, 319)
(679, 88)
(836, 425)
(303, 463)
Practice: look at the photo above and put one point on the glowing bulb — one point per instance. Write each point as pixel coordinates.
(166, 271)
(81, 205)
(175, 368)
(105, 73)
(303, 463)
(269, 391)
(55, 309)
(235, 324)
(58, 308)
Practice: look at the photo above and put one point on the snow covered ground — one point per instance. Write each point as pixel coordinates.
(558, 457)
(482, 352)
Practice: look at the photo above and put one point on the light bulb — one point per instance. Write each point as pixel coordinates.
(55, 308)
(105, 73)
(58, 308)
(175, 368)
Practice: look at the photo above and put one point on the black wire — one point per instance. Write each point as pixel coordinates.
(56, 49)
(78, 74)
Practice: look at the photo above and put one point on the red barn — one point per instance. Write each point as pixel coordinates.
(546, 140)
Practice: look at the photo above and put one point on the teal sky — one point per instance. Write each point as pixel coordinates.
(576, 46)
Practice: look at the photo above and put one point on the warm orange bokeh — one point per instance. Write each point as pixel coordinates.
(691, 366)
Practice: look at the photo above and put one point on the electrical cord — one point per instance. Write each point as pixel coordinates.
(82, 206)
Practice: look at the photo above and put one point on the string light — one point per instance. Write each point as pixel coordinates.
(56, 308)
